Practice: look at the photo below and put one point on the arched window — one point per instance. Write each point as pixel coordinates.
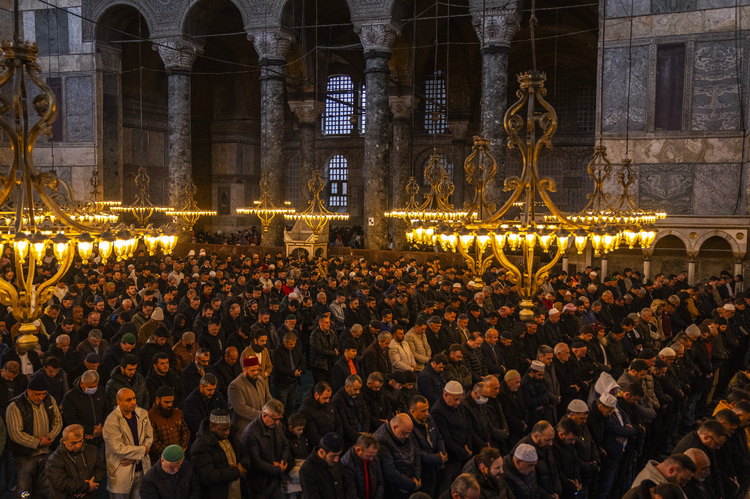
(338, 182)
(340, 106)
(445, 162)
(435, 120)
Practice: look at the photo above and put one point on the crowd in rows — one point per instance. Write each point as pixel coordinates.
(273, 377)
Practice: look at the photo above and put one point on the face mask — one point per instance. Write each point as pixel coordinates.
(90, 391)
(482, 400)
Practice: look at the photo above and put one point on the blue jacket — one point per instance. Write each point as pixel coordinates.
(613, 429)
(400, 461)
(430, 384)
(353, 468)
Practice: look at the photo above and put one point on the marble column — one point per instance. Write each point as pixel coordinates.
(691, 271)
(307, 112)
(272, 46)
(459, 132)
(402, 107)
(178, 55)
(604, 266)
(738, 257)
(376, 37)
(495, 29)
(565, 263)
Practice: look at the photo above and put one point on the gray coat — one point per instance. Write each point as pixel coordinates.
(246, 400)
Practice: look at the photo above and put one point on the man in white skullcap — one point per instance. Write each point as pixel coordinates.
(618, 434)
(455, 427)
(519, 471)
(534, 391)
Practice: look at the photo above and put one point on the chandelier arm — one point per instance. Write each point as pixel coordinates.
(517, 193)
(63, 268)
(9, 296)
(466, 255)
(515, 273)
(46, 119)
(60, 214)
(541, 275)
(20, 275)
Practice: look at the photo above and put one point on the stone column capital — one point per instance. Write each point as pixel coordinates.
(376, 35)
(271, 44)
(178, 53)
(402, 106)
(307, 111)
(496, 27)
(459, 129)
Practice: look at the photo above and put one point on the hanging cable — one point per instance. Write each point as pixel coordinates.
(601, 73)
(630, 73)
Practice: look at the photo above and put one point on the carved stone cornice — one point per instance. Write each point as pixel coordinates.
(307, 111)
(402, 106)
(376, 35)
(496, 27)
(108, 57)
(458, 129)
(178, 53)
(271, 44)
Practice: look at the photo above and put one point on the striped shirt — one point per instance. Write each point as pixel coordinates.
(14, 422)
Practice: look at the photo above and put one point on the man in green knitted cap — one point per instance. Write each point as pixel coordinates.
(171, 477)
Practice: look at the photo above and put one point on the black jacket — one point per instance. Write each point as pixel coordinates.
(401, 462)
(265, 446)
(354, 472)
(85, 410)
(321, 418)
(522, 486)
(157, 484)
(210, 462)
(493, 359)
(67, 472)
(455, 428)
(172, 380)
(376, 359)
(226, 373)
(480, 421)
(378, 407)
(323, 345)
(191, 376)
(546, 470)
(320, 481)
(430, 384)
(197, 409)
(353, 414)
(341, 371)
(516, 412)
(430, 443)
(283, 374)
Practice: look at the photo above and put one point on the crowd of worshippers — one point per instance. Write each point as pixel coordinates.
(272, 377)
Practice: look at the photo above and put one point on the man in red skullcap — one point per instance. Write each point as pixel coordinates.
(247, 394)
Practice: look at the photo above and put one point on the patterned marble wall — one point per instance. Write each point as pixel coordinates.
(615, 89)
(715, 100)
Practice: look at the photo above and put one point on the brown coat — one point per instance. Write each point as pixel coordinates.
(167, 431)
(183, 356)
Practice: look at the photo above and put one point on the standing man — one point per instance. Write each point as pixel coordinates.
(321, 474)
(323, 351)
(289, 364)
(75, 468)
(362, 468)
(128, 437)
(247, 394)
(33, 422)
(219, 460)
(400, 457)
(269, 452)
(169, 426)
(456, 430)
(171, 477)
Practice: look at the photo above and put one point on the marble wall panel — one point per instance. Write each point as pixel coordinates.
(618, 8)
(80, 115)
(666, 188)
(615, 91)
(715, 189)
(715, 101)
(51, 27)
(668, 6)
(717, 4)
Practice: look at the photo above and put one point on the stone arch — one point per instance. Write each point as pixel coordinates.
(97, 10)
(720, 233)
(184, 9)
(664, 233)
